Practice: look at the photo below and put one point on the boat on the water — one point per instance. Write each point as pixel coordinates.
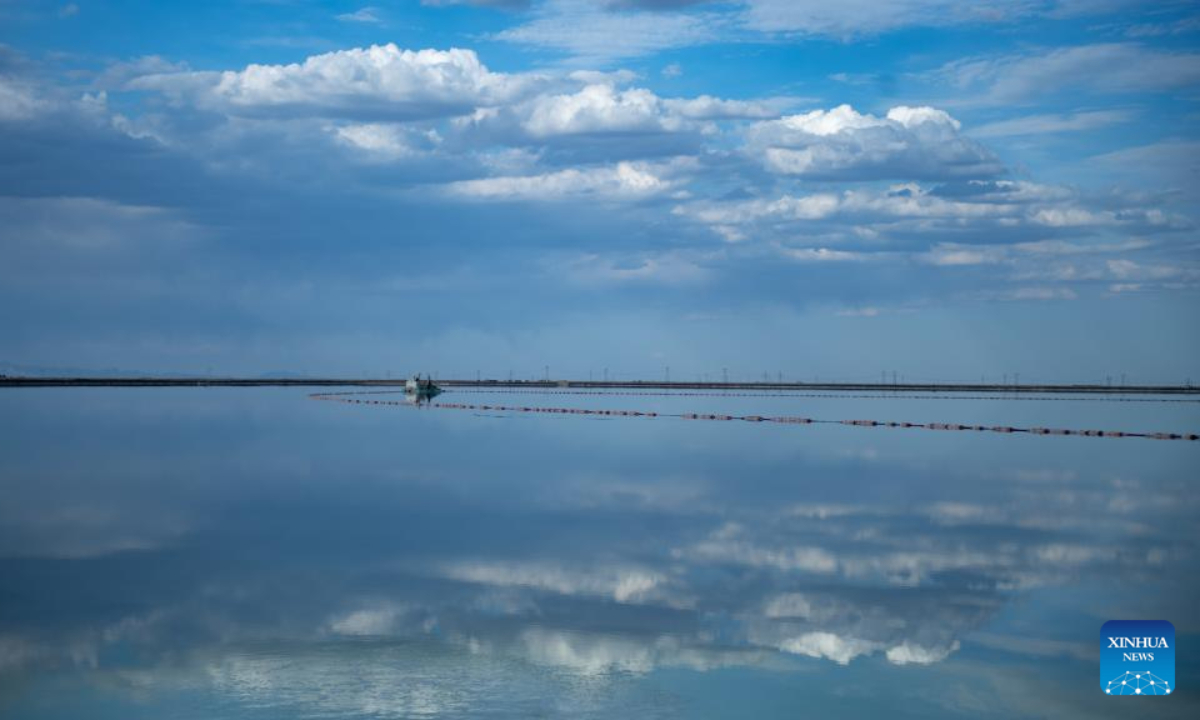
(421, 389)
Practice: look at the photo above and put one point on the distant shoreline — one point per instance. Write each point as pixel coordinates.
(1080, 389)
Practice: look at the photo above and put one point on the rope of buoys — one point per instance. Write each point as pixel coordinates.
(782, 419)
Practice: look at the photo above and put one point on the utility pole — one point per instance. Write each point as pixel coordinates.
(668, 371)
(547, 373)
(725, 375)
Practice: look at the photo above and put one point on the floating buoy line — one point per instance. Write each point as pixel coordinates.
(356, 398)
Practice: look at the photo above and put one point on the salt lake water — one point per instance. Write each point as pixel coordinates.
(253, 553)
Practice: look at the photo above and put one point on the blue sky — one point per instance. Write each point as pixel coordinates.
(947, 190)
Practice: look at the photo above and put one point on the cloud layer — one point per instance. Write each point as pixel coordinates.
(806, 161)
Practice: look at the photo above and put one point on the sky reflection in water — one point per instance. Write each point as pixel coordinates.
(252, 553)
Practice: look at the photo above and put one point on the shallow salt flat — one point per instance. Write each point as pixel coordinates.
(255, 553)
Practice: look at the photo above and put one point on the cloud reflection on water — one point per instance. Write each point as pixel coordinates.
(357, 577)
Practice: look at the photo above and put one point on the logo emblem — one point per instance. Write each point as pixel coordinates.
(1137, 657)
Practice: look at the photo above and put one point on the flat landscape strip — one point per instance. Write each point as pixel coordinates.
(9, 381)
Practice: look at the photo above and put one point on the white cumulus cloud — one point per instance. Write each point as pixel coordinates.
(378, 81)
(599, 108)
(623, 181)
(910, 143)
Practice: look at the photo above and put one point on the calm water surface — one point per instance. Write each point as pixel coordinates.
(252, 553)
